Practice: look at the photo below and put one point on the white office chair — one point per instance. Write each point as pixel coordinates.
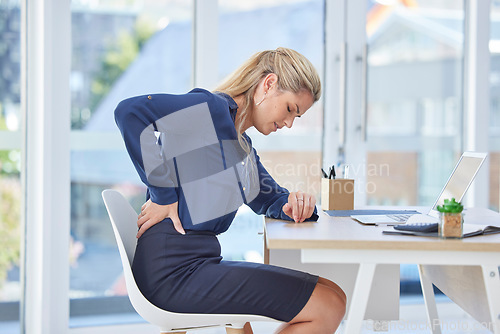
(124, 222)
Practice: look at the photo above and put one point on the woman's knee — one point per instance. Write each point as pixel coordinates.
(325, 307)
(333, 307)
(337, 303)
(334, 286)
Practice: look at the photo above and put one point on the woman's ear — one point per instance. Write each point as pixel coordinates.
(270, 81)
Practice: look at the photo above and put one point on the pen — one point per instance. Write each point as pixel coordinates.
(346, 171)
(324, 174)
(332, 172)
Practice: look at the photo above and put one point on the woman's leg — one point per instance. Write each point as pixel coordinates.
(323, 312)
(333, 286)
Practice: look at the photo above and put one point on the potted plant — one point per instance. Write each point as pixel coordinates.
(450, 219)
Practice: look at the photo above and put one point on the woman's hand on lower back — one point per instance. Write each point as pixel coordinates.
(152, 213)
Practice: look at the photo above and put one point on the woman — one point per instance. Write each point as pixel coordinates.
(199, 166)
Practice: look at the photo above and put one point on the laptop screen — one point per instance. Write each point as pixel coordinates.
(461, 178)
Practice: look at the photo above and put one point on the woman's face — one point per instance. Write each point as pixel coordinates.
(278, 108)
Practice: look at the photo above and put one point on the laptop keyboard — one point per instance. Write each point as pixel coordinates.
(401, 217)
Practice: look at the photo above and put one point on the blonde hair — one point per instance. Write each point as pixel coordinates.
(294, 71)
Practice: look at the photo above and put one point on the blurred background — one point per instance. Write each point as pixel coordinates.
(122, 48)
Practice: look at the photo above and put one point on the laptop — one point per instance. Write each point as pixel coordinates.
(459, 181)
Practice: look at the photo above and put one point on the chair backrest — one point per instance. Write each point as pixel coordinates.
(124, 221)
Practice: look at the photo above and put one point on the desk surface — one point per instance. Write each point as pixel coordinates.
(345, 233)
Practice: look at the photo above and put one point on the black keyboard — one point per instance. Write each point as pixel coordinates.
(418, 227)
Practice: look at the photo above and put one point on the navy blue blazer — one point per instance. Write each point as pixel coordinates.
(185, 149)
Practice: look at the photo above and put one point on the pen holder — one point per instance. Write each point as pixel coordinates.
(337, 194)
(451, 219)
(451, 225)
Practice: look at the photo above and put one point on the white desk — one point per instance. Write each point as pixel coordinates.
(465, 270)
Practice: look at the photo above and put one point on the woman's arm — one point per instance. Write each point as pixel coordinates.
(136, 119)
(277, 202)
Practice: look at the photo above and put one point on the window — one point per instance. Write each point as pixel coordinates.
(119, 49)
(292, 156)
(414, 99)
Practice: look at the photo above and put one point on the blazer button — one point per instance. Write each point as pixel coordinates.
(149, 97)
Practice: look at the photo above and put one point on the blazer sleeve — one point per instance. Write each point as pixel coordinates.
(272, 197)
(136, 118)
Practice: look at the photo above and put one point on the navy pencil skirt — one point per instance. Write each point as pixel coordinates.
(186, 274)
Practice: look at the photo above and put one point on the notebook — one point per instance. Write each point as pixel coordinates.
(469, 230)
(459, 181)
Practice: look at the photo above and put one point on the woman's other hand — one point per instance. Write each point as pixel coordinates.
(300, 206)
(152, 213)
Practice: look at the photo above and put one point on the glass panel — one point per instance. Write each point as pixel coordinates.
(10, 165)
(121, 48)
(414, 104)
(414, 99)
(292, 156)
(495, 106)
(10, 239)
(10, 65)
